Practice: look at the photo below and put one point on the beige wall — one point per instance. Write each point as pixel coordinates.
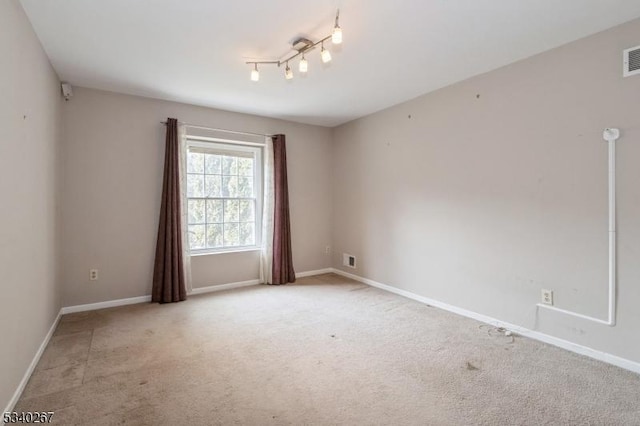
(483, 193)
(30, 106)
(113, 155)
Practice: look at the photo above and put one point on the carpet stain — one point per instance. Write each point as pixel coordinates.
(471, 367)
(67, 372)
(359, 288)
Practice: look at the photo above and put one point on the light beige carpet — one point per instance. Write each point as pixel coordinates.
(326, 350)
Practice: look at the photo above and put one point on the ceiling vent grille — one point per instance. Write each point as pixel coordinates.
(632, 61)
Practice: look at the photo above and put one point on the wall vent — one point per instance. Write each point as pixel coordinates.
(631, 59)
(349, 260)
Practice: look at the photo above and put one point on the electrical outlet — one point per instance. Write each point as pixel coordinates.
(327, 250)
(93, 274)
(547, 297)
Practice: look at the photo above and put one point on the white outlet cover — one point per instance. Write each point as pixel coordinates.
(547, 296)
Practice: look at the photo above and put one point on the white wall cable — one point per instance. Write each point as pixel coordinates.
(611, 136)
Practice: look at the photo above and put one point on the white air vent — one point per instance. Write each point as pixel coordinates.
(632, 61)
(349, 260)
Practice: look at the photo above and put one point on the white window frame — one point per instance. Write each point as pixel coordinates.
(218, 145)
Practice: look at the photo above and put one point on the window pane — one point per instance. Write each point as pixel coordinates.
(221, 205)
(231, 211)
(214, 211)
(212, 164)
(196, 236)
(213, 185)
(230, 186)
(247, 234)
(214, 235)
(195, 162)
(231, 237)
(229, 165)
(196, 211)
(245, 187)
(247, 211)
(245, 166)
(195, 186)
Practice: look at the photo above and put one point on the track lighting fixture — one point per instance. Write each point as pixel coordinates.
(336, 36)
(303, 66)
(324, 54)
(302, 46)
(288, 74)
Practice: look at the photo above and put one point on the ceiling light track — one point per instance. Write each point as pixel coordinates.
(302, 46)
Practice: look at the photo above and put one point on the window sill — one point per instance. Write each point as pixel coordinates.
(225, 251)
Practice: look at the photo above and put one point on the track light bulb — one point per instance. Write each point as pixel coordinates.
(255, 74)
(288, 74)
(336, 36)
(325, 55)
(304, 65)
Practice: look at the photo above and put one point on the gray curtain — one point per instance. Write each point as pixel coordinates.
(168, 273)
(282, 257)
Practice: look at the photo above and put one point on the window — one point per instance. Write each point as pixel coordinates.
(224, 185)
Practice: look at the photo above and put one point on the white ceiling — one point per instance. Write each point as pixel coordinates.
(193, 51)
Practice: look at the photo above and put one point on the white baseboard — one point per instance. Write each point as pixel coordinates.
(229, 286)
(107, 304)
(316, 272)
(27, 375)
(564, 344)
(209, 289)
(536, 335)
(199, 290)
(123, 302)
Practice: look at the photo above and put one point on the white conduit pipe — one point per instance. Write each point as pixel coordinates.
(611, 136)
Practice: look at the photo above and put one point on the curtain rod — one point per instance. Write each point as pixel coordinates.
(195, 126)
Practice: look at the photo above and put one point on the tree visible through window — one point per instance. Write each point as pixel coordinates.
(223, 185)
